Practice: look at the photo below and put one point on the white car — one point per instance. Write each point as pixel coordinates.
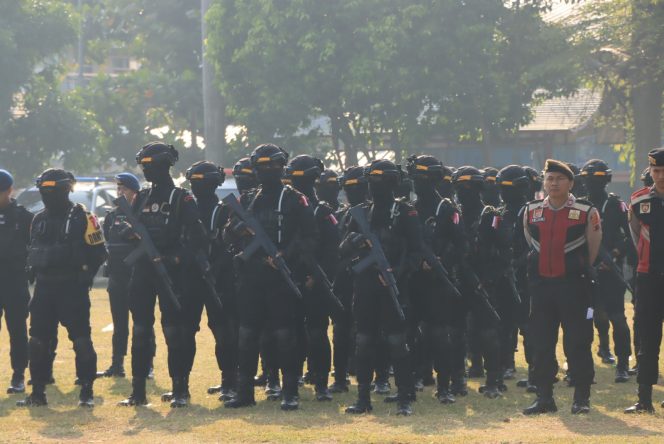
(95, 193)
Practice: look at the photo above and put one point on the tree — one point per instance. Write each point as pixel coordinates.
(625, 40)
(386, 73)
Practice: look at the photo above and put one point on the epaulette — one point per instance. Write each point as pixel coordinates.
(641, 195)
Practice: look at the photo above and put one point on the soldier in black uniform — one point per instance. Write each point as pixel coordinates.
(303, 171)
(205, 177)
(119, 245)
(646, 178)
(66, 250)
(579, 185)
(445, 187)
(490, 191)
(396, 223)
(440, 314)
(535, 182)
(15, 223)
(244, 175)
(616, 241)
(356, 188)
(489, 255)
(647, 229)
(514, 185)
(327, 188)
(171, 217)
(265, 301)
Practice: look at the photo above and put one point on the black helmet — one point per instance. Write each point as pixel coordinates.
(157, 153)
(597, 168)
(244, 168)
(304, 166)
(383, 170)
(490, 174)
(513, 176)
(575, 169)
(424, 166)
(329, 177)
(269, 155)
(646, 178)
(448, 174)
(55, 178)
(534, 176)
(206, 171)
(467, 174)
(353, 176)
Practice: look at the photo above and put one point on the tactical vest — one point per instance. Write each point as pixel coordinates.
(648, 208)
(559, 238)
(161, 217)
(116, 243)
(12, 245)
(53, 250)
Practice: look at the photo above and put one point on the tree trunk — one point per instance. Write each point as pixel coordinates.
(395, 144)
(646, 100)
(214, 110)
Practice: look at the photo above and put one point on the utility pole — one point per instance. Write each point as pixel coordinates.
(214, 112)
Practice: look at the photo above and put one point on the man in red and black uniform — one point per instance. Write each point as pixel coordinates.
(564, 234)
(647, 226)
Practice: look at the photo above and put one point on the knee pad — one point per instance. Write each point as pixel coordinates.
(398, 346)
(38, 350)
(142, 336)
(84, 349)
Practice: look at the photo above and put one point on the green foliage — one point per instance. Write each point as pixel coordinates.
(397, 69)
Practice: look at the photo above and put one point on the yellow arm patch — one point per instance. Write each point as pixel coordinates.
(93, 233)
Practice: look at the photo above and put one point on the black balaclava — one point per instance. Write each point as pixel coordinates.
(469, 195)
(245, 183)
(514, 196)
(382, 191)
(270, 177)
(56, 200)
(425, 189)
(356, 194)
(157, 174)
(596, 187)
(306, 186)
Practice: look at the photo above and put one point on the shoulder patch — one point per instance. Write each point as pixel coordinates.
(93, 233)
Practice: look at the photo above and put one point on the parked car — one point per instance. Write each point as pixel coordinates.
(95, 193)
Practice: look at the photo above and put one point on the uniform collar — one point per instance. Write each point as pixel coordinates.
(570, 202)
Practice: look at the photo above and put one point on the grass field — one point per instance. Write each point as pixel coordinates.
(471, 419)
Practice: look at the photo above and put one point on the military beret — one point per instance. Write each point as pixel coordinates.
(656, 157)
(6, 180)
(556, 166)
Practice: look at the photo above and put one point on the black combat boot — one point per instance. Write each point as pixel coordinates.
(605, 353)
(228, 386)
(115, 370)
(622, 369)
(290, 395)
(403, 403)
(382, 386)
(338, 386)
(273, 387)
(459, 386)
(17, 384)
(322, 392)
(86, 396)
(181, 393)
(540, 406)
(645, 401)
(443, 393)
(137, 397)
(245, 394)
(363, 403)
(216, 388)
(581, 404)
(36, 399)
